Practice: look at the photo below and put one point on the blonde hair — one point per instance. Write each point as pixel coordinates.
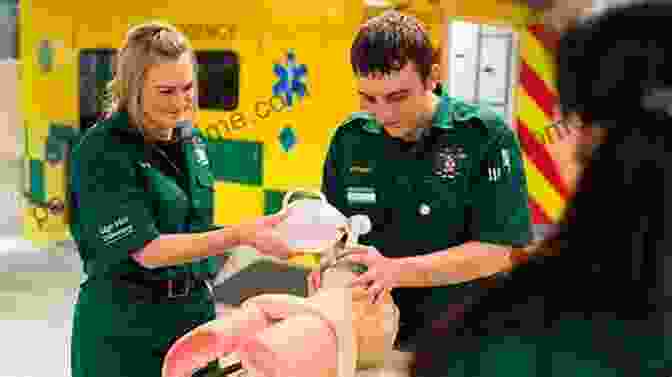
(145, 46)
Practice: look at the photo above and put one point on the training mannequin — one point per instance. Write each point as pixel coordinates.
(333, 332)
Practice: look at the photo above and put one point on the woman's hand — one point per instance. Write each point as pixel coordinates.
(262, 236)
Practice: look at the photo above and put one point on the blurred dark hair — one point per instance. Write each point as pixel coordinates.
(389, 41)
(610, 71)
(607, 259)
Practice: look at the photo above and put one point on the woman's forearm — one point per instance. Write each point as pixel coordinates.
(459, 264)
(176, 249)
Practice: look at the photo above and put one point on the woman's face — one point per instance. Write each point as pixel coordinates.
(167, 95)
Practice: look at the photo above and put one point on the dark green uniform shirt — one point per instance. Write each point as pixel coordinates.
(463, 180)
(126, 193)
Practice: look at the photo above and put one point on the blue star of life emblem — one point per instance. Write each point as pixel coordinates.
(291, 79)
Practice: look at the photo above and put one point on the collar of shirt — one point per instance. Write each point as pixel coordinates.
(448, 112)
(121, 124)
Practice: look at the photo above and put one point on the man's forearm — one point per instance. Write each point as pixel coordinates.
(466, 262)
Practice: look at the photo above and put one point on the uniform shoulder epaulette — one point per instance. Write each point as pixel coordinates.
(495, 126)
(463, 112)
(493, 121)
(360, 121)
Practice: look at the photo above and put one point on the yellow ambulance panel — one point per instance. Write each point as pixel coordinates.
(275, 81)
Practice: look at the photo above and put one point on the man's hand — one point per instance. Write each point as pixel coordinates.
(382, 272)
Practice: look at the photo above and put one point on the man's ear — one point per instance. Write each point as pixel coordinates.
(436, 73)
(434, 77)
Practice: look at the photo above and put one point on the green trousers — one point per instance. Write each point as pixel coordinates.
(120, 336)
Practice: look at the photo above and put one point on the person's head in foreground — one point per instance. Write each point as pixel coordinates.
(592, 301)
(394, 62)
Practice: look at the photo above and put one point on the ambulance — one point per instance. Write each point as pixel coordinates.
(275, 81)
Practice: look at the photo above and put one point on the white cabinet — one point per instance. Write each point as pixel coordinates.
(481, 65)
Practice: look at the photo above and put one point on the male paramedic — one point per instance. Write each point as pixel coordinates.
(441, 180)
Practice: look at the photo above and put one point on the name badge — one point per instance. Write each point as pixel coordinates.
(361, 195)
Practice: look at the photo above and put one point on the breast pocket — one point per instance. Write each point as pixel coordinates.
(363, 196)
(171, 204)
(445, 193)
(202, 197)
(444, 185)
(441, 212)
(203, 193)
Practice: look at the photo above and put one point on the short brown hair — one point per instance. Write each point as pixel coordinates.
(388, 42)
(145, 46)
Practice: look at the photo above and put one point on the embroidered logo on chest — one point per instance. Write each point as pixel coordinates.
(448, 161)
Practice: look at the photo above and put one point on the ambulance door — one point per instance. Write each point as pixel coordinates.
(49, 109)
(94, 73)
(482, 62)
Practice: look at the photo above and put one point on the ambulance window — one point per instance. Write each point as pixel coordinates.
(95, 71)
(218, 74)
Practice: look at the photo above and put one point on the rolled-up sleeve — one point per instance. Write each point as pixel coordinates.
(500, 210)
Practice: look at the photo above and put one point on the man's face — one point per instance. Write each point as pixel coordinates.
(398, 100)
